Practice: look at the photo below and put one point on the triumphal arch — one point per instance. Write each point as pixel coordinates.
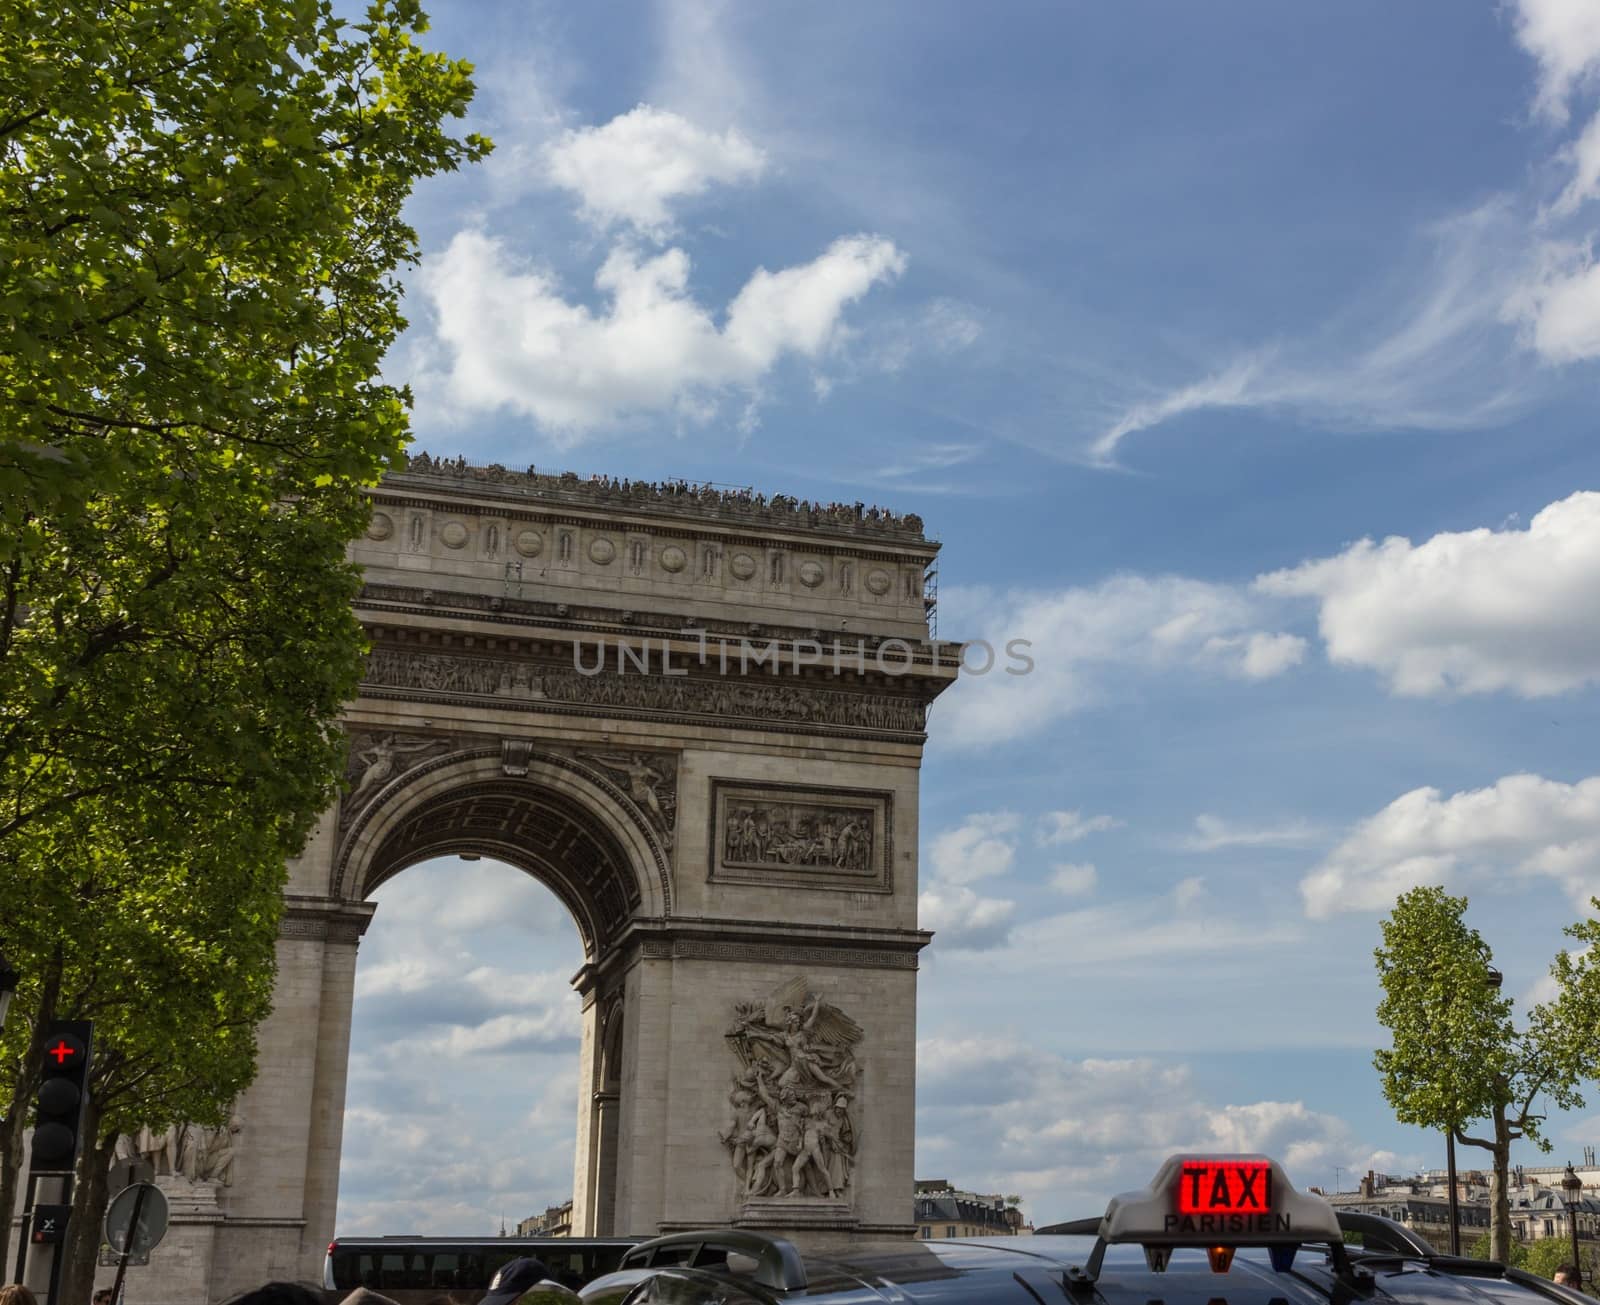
(697, 715)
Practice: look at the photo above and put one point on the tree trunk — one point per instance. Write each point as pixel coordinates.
(1499, 1190)
(89, 1200)
(10, 1172)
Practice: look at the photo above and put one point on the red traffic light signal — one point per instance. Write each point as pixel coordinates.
(63, 1051)
(63, 1086)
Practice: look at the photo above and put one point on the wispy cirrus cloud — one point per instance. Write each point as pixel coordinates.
(1212, 833)
(1435, 352)
(1089, 641)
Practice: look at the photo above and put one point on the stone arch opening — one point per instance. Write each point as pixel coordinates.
(465, 1052)
(567, 824)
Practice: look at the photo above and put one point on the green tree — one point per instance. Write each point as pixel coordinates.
(1543, 1256)
(172, 958)
(1457, 1055)
(200, 237)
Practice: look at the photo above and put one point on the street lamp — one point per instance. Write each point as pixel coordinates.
(9, 979)
(1493, 978)
(1572, 1185)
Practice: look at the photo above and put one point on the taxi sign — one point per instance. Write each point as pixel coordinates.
(1224, 1187)
(1219, 1200)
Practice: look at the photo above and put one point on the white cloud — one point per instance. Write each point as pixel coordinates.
(1469, 612)
(513, 341)
(1212, 833)
(1585, 184)
(1069, 1134)
(961, 919)
(981, 846)
(1524, 826)
(1564, 36)
(1137, 937)
(1084, 637)
(631, 170)
(1058, 827)
(1259, 655)
(1559, 307)
(1074, 880)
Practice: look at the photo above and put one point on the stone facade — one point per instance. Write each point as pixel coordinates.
(727, 805)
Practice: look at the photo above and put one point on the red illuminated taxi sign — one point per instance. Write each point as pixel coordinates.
(1223, 1187)
(1219, 1200)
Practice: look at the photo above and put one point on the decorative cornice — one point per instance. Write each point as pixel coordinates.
(322, 919)
(704, 949)
(567, 622)
(766, 942)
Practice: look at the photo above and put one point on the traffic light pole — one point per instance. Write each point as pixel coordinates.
(43, 1271)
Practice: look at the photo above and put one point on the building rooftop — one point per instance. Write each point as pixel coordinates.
(680, 497)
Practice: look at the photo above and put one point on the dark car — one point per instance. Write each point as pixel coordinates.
(1211, 1230)
(415, 1270)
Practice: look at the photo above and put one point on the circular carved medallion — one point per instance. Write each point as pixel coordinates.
(811, 574)
(742, 565)
(453, 535)
(879, 581)
(601, 551)
(673, 558)
(529, 543)
(381, 526)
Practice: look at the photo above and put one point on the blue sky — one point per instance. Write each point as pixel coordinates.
(1243, 358)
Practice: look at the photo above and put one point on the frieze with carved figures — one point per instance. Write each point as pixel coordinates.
(456, 674)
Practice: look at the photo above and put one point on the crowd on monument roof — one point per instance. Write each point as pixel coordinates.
(684, 492)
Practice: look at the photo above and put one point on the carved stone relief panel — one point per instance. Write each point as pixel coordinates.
(792, 1129)
(805, 837)
(377, 757)
(651, 782)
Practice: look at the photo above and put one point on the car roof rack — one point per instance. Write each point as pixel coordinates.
(778, 1263)
(1381, 1234)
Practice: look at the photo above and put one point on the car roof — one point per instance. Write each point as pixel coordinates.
(1032, 1270)
(395, 1241)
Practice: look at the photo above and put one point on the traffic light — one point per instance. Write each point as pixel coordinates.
(63, 1088)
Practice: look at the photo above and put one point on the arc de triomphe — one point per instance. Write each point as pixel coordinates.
(728, 807)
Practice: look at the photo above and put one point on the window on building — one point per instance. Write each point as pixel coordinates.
(950, 1231)
(926, 1231)
(1549, 1227)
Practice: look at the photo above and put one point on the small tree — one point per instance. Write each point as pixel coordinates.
(1457, 1054)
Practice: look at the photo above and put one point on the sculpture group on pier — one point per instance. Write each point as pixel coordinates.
(791, 1132)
